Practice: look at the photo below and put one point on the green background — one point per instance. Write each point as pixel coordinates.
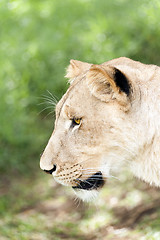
(37, 40)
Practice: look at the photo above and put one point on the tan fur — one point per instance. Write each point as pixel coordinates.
(76, 68)
(115, 128)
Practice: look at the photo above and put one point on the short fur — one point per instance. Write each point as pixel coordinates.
(118, 103)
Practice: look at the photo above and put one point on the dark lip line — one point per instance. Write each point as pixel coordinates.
(93, 182)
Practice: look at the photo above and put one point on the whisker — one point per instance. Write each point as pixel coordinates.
(51, 100)
(90, 171)
(114, 177)
(86, 160)
(53, 96)
(77, 182)
(47, 101)
(98, 178)
(48, 107)
(87, 182)
(89, 168)
(50, 113)
(129, 151)
(45, 97)
(114, 156)
(77, 202)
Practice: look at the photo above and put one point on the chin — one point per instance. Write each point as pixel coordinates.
(86, 195)
(88, 189)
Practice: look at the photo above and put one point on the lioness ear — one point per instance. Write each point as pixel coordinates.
(108, 83)
(76, 68)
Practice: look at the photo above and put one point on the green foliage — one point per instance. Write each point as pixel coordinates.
(38, 38)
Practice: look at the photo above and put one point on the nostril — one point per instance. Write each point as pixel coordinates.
(51, 170)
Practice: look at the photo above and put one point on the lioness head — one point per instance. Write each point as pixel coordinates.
(95, 131)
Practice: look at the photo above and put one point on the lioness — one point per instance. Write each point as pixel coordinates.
(110, 115)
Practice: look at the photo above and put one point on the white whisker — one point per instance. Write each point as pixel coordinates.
(50, 100)
(98, 178)
(44, 109)
(87, 182)
(53, 96)
(50, 113)
(77, 201)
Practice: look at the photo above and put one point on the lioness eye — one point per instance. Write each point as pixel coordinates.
(76, 121)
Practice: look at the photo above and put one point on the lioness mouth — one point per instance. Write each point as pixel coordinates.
(93, 182)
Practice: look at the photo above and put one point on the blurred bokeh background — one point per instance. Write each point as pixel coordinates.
(37, 40)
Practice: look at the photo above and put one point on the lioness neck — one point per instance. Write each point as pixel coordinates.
(147, 164)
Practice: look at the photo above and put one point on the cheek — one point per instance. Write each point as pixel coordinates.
(89, 136)
(67, 124)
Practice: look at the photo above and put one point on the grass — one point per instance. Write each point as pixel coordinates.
(38, 208)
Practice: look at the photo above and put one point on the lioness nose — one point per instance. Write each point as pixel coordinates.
(51, 170)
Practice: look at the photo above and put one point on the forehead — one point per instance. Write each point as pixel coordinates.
(75, 96)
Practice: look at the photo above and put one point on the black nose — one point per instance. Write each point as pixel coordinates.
(52, 170)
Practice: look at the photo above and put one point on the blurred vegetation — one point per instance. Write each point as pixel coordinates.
(37, 40)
